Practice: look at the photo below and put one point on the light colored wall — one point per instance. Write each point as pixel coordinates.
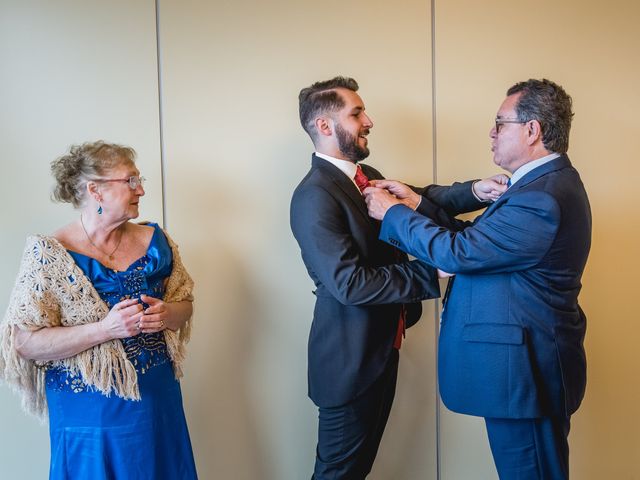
(590, 48)
(70, 71)
(234, 152)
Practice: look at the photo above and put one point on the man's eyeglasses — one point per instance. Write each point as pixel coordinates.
(502, 121)
(133, 181)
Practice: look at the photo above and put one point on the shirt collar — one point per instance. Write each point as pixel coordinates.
(345, 166)
(527, 167)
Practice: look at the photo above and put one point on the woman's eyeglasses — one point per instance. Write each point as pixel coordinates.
(133, 181)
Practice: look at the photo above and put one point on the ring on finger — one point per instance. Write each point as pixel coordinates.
(161, 323)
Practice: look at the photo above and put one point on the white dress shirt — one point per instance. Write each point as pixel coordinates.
(345, 166)
(527, 167)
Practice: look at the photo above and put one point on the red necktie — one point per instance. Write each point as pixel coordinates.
(400, 331)
(363, 182)
(361, 179)
(402, 322)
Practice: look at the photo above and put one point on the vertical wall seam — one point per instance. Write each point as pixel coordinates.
(161, 117)
(436, 304)
(433, 93)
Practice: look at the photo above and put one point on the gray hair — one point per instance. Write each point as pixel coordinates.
(547, 102)
(83, 163)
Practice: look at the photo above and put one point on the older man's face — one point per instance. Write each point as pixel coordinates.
(509, 140)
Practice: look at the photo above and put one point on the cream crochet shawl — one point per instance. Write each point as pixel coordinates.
(51, 290)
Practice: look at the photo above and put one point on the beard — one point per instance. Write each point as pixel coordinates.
(348, 145)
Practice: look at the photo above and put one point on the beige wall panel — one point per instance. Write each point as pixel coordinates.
(235, 151)
(590, 48)
(71, 71)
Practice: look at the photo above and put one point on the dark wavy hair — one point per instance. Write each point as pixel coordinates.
(548, 103)
(321, 98)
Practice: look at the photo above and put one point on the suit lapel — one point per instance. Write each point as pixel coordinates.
(344, 184)
(556, 164)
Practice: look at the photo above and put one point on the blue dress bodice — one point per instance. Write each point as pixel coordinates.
(144, 276)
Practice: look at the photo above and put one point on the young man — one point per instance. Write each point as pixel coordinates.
(367, 292)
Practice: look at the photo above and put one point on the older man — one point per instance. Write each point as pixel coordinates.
(511, 343)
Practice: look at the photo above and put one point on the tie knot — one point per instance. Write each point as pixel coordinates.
(508, 183)
(361, 179)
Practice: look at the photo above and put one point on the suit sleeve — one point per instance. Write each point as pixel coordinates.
(516, 236)
(455, 199)
(441, 204)
(440, 216)
(334, 262)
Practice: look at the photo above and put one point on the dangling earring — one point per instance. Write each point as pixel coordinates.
(99, 209)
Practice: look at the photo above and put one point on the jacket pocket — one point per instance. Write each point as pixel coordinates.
(493, 333)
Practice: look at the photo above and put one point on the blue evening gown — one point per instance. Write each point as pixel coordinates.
(95, 437)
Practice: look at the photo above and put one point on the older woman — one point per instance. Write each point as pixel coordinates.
(96, 325)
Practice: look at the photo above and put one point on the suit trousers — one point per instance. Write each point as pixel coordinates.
(349, 435)
(530, 448)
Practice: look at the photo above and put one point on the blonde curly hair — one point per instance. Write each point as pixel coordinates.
(83, 163)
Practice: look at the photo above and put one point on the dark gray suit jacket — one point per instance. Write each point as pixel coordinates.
(361, 282)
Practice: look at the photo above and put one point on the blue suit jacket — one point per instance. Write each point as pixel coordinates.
(511, 341)
(361, 282)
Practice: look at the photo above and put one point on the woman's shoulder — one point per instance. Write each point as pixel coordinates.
(144, 228)
(154, 229)
(42, 251)
(41, 240)
(155, 236)
(144, 232)
(66, 236)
